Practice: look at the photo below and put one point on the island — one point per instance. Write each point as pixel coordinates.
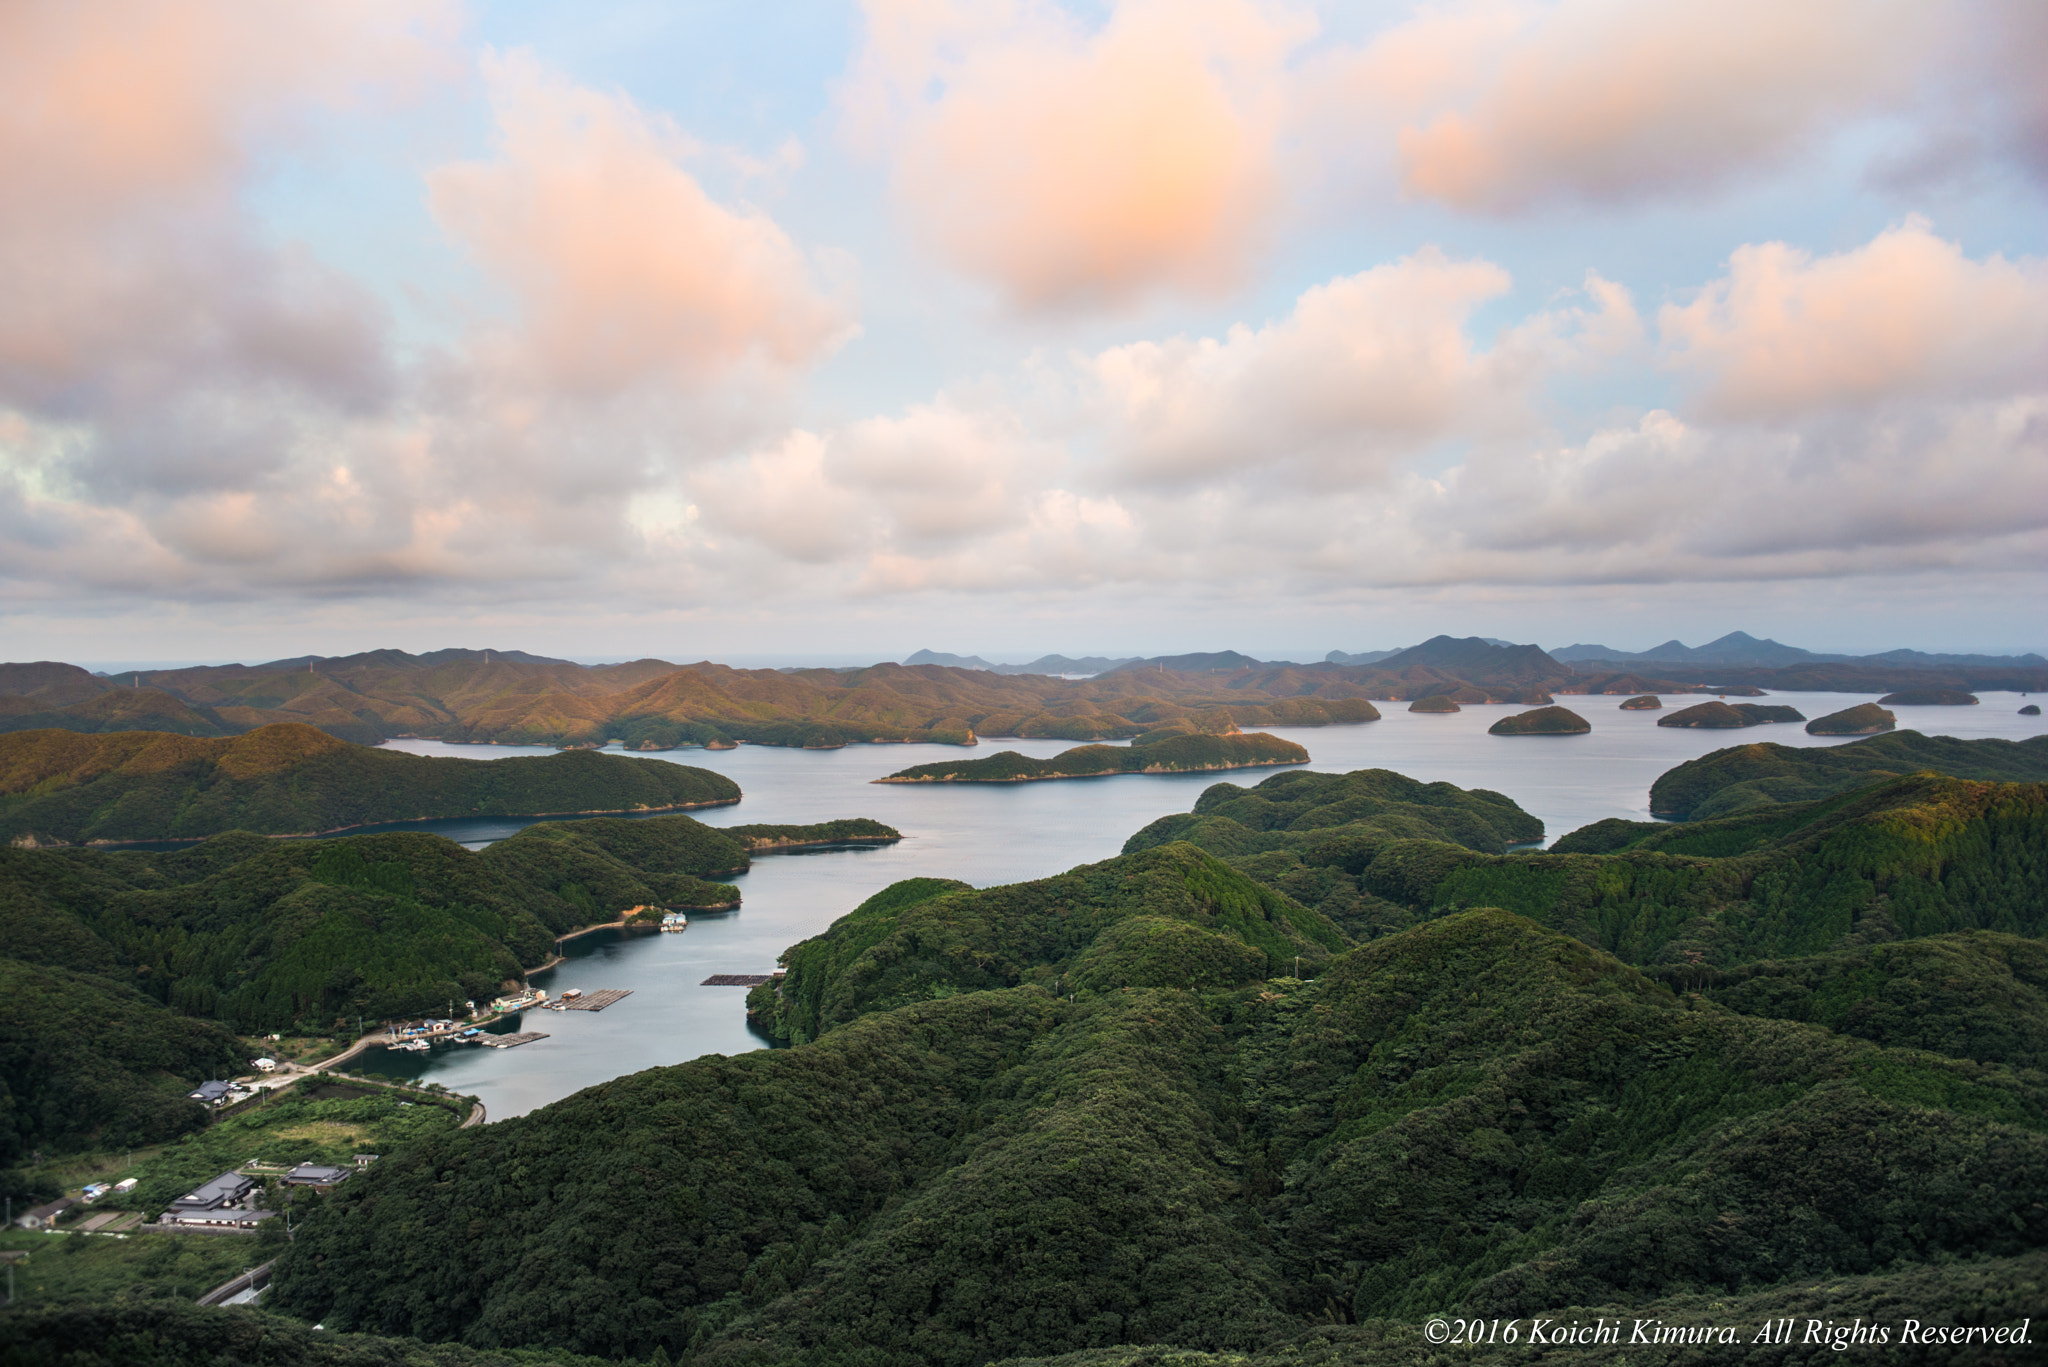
(1543, 721)
(1647, 702)
(1864, 719)
(1435, 704)
(1929, 697)
(1172, 754)
(1719, 715)
(2032, 709)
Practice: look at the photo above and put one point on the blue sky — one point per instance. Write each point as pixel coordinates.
(843, 329)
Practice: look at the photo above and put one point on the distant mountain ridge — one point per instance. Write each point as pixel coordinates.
(1741, 648)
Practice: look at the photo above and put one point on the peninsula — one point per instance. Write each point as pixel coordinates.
(68, 788)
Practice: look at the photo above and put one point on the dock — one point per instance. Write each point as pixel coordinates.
(512, 1041)
(597, 1000)
(737, 979)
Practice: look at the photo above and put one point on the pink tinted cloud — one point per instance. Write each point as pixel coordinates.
(1609, 101)
(624, 268)
(127, 130)
(1905, 315)
(1075, 167)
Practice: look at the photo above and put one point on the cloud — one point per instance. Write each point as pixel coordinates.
(625, 270)
(1906, 315)
(1610, 103)
(1075, 167)
(141, 298)
(1367, 369)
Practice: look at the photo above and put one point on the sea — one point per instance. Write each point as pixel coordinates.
(991, 834)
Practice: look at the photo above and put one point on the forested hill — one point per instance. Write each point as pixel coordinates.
(1172, 916)
(1476, 1116)
(1913, 856)
(120, 970)
(1758, 775)
(61, 787)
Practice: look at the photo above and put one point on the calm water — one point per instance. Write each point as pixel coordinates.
(1005, 833)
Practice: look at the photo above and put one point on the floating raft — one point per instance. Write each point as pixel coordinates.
(598, 1000)
(736, 979)
(512, 1041)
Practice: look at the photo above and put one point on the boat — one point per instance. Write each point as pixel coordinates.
(412, 1046)
(675, 920)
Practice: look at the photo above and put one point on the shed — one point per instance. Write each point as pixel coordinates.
(46, 1216)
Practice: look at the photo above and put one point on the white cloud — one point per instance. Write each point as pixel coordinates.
(1905, 316)
(1366, 370)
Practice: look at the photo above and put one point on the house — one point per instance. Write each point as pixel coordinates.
(216, 1205)
(314, 1175)
(264, 1065)
(363, 1160)
(212, 1093)
(46, 1217)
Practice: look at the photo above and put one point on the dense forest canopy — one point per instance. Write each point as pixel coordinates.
(1478, 1114)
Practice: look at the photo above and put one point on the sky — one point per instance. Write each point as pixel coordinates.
(809, 330)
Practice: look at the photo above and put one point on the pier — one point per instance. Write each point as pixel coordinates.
(596, 1000)
(737, 979)
(511, 1041)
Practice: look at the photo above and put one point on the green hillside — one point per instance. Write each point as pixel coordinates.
(61, 787)
(1477, 1116)
(1764, 773)
(1175, 752)
(1167, 916)
(84, 1059)
(1914, 856)
(1310, 835)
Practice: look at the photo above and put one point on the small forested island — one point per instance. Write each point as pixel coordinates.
(1720, 715)
(2032, 709)
(1647, 702)
(1864, 719)
(1543, 721)
(65, 787)
(1166, 752)
(1928, 697)
(1437, 703)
